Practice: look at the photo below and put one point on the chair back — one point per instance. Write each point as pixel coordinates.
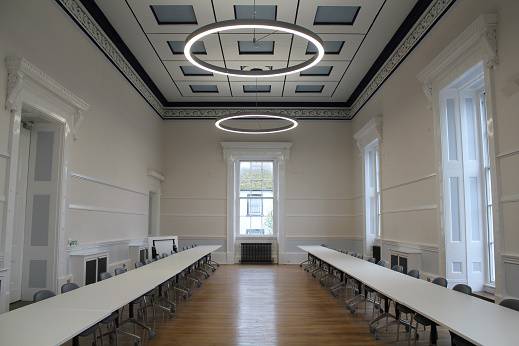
(414, 273)
(69, 286)
(463, 288)
(42, 295)
(510, 303)
(382, 263)
(440, 281)
(104, 276)
(120, 270)
(397, 268)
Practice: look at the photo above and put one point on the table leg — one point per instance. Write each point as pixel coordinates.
(434, 334)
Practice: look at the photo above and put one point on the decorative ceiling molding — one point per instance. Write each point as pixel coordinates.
(90, 26)
(297, 113)
(433, 13)
(81, 16)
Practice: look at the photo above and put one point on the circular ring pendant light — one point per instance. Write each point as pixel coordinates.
(220, 123)
(241, 24)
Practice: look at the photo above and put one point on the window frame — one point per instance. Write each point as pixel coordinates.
(373, 201)
(274, 198)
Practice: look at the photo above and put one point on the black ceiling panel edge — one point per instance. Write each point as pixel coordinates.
(259, 104)
(297, 118)
(408, 23)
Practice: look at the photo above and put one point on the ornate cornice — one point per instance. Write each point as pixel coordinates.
(78, 12)
(299, 113)
(81, 15)
(421, 27)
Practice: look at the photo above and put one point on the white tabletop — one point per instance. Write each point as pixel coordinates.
(55, 320)
(474, 319)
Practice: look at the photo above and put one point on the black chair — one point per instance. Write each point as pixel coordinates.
(424, 321)
(42, 295)
(404, 310)
(463, 289)
(386, 311)
(510, 303)
(120, 270)
(92, 331)
(69, 286)
(457, 340)
(142, 303)
(112, 321)
(397, 268)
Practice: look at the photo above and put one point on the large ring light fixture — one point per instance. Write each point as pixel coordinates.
(253, 24)
(255, 115)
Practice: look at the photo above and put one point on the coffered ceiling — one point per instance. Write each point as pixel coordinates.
(360, 37)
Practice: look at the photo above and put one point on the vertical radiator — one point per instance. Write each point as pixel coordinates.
(256, 253)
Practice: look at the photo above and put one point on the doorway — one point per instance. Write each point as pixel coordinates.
(37, 202)
(467, 200)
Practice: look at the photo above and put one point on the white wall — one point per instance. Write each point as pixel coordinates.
(119, 139)
(319, 190)
(408, 170)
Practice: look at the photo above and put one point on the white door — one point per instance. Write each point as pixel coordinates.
(469, 107)
(19, 217)
(42, 203)
(453, 189)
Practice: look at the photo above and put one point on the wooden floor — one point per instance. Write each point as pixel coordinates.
(269, 305)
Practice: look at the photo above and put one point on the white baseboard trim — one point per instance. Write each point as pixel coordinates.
(292, 257)
(219, 257)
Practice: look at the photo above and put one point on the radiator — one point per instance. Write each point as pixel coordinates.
(256, 253)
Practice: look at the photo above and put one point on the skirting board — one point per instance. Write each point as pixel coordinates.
(219, 257)
(293, 257)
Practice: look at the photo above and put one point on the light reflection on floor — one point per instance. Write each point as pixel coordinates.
(256, 321)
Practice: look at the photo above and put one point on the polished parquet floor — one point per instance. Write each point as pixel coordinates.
(269, 305)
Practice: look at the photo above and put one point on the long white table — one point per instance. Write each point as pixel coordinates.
(55, 320)
(474, 319)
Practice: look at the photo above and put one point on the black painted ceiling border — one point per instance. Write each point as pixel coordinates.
(414, 15)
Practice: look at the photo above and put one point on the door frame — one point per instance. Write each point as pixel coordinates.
(29, 86)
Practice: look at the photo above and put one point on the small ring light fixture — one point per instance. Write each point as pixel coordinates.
(241, 24)
(220, 123)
